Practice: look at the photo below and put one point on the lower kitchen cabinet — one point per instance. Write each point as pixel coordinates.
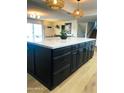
(87, 47)
(43, 65)
(92, 49)
(80, 57)
(61, 61)
(61, 67)
(74, 60)
(82, 54)
(30, 59)
(52, 66)
(61, 75)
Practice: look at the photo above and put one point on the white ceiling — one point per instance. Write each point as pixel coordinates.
(88, 6)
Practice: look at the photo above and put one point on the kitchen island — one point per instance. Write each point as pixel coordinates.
(52, 60)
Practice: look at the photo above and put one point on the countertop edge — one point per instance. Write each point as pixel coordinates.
(59, 46)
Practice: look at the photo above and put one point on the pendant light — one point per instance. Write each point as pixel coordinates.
(78, 12)
(55, 4)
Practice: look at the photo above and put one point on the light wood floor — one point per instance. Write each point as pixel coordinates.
(81, 81)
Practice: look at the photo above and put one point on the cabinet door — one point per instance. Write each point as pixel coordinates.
(74, 60)
(81, 57)
(87, 47)
(92, 48)
(85, 54)
(30, 58)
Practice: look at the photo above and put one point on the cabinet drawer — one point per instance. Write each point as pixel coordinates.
(61, 61)
(60, 51)
(61, 75)
(74, 60)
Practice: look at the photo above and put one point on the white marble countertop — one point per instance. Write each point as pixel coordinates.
(56, 42)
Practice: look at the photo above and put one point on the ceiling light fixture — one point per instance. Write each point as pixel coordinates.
(55, 4)
(34, 14)
(78, 12)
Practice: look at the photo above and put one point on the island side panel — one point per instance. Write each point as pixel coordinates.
(42, 65)
(30, 59)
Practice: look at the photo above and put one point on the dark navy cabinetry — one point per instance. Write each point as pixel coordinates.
(52, 66)
(30, 59)
(61, 64)
(74, 60)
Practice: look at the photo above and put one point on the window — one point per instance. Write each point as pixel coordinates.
(38, 32)
(29, 32)
(34, 32)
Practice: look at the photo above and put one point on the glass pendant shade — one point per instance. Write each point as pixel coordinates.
(78, 13)
(55, 4)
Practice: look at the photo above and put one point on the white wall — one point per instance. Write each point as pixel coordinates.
(55, 31)
(49, 31)
(73, 28)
